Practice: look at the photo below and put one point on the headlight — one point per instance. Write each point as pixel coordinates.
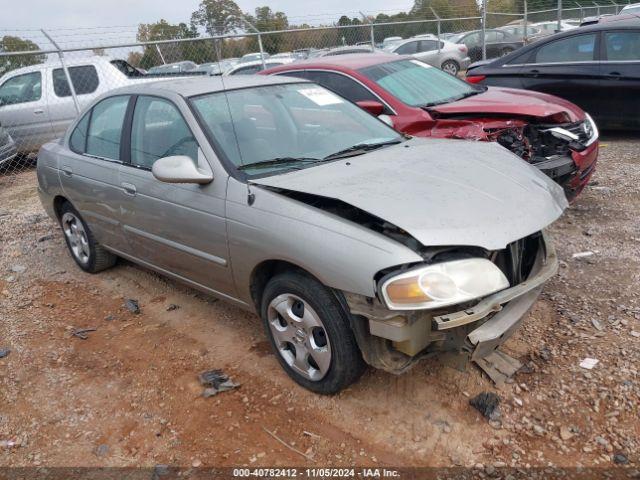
(443, 284)
(591, 130)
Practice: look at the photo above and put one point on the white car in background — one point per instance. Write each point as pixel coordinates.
(251, 68)
(36, 103)
(449, 57)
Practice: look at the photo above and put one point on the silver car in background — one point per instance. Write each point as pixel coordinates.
(442, 54)
(355, 244)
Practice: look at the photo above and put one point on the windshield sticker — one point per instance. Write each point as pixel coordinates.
(320, 96)
(421, 64)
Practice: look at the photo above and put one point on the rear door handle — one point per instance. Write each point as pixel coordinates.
(533, 73)
(129, 188)
(68, 171)
(614, 75)
(39, 111)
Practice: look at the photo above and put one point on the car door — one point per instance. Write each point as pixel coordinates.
(88, 170)
(427, 51)
(179, 229)
(23, 110)
(567, 67)
(620, 79)
(62, 109)
(473, 44)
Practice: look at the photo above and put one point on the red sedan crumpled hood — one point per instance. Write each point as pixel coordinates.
(511, 101)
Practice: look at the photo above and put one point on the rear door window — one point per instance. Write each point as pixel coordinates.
(84, 78)
(21, 89)
(105, 129)
(407, 48)
(577, 48)
(622, 46)
(427, 45)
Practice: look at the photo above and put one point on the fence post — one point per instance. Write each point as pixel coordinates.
(264, 67)
(559, 16)
(484, 28)
(438, 24)
(373, 38)
(526, 23)
(72, 89)
(160, 53)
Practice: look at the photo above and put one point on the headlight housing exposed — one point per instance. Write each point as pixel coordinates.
(591, 129)
(442, 284)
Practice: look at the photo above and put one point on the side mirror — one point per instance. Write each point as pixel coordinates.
(179, 169)
(374, 107)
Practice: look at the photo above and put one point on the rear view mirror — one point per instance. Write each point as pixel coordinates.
(374, 107)
(179, 169)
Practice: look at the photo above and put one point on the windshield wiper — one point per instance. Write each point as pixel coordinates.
(359, 149)
(454, 99)
(279, 161)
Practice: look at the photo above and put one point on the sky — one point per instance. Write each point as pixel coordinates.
(56, 14)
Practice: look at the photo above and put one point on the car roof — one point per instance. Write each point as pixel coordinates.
(192, 86)
(349, 61)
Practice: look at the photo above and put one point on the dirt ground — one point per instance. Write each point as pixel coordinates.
(128, 395)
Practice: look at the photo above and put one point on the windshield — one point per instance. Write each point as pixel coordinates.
(418, 84)
(286, 122)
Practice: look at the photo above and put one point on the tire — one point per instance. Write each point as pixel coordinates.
(310, 333)
(506, 51)
(88, 254)
(451, 67)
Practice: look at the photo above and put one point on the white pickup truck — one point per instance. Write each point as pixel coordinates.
(36, 104)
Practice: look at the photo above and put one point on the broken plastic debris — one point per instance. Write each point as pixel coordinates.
(132, 305)
(172, 306)
(81, 333)
(487, 404)
(589, 363)
(4, 352)
(216, 381)
(582, 254)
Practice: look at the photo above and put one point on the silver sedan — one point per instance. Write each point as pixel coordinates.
(447, 56)
(356, 245)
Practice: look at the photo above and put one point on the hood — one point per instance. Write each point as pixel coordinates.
(511, 101)
(442, 192)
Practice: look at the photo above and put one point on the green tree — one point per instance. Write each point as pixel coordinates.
(266, 20)
(196, 51)
(214, 16)
(17, 44)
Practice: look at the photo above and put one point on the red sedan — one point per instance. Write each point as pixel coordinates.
(553, 134)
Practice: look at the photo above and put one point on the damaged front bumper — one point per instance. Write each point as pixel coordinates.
(475, 331)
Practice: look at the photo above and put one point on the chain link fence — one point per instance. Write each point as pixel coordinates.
(48, 77)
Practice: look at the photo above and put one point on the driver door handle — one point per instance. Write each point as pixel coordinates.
(129, 188)
(614, 75)
(68, 171)
(38, 111)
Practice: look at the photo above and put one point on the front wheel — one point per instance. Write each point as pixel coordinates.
(451, 67)
(310, 333)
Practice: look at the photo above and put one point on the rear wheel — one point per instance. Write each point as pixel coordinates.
(451, 67)
(87, 253)
(506, 51)
(310, 332)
